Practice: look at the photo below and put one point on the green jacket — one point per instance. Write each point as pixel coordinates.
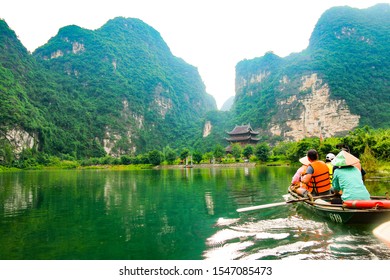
(349, 180)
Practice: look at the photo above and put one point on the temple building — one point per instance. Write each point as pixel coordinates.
(243, 135)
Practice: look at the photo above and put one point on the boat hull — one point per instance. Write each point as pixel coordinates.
(348, 216)
(343, 215)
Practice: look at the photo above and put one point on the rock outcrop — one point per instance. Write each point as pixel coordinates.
(21, 140)
(312, 113)
(207, 129)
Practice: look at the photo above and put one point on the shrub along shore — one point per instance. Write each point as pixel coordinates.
(371, 146)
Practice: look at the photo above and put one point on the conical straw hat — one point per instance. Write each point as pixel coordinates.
(304, 160)
(344, 159)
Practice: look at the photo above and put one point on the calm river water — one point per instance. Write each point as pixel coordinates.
(176, 214)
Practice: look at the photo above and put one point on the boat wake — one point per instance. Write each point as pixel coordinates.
(290, 238)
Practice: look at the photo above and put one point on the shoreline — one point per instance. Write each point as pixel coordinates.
(382, 172)
(206, 165)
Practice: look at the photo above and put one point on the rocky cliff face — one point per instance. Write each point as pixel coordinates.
(144, 96)
(303, 106)
(340, 82)
(312, 114)
(207, 129)
(21, 139)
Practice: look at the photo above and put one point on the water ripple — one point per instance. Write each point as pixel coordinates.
(290, 238)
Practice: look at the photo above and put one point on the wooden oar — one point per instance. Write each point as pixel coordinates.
(257, 207)
(380, 197)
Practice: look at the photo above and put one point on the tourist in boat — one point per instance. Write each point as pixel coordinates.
(296, 179)
(296, 184)
(357, 164)
(317, 175)
(347, 178)
(328, 160)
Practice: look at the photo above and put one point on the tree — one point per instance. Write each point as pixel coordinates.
(6, 154)
(368, 160)
(219, 152)
(170, 154)
(358, 139)
(208, 156)
(125, 159)
(262, 151)
(154, 157)
(184, 154)
(197, 157)
(299, 149)
(248, 151)
(236, 151)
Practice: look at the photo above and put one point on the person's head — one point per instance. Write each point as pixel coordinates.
(330, 157)
(312, 155)
(343, 147)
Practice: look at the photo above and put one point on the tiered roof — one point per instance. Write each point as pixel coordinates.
(243, 129)
(243, 133)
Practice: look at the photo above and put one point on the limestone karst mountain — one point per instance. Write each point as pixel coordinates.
(340, 82)
(115, 90)
(119, 89)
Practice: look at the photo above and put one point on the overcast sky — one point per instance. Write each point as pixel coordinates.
(212, 35)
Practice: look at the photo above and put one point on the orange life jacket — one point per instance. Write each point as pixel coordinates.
(320, 181)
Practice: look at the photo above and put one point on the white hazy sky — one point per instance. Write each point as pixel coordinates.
(212, 35)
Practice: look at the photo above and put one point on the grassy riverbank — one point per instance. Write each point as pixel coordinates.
(76, 165)
(380, 167)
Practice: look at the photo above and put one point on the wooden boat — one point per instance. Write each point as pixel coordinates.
(348, 213)
(188, 165)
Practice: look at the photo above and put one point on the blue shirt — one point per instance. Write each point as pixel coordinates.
(349, 181)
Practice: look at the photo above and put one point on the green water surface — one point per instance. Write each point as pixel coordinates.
(172, 214)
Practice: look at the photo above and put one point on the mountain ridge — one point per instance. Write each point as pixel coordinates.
(346, 60)
(132, 94)
(119, 90)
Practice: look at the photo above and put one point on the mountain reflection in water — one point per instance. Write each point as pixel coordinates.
(180, 214)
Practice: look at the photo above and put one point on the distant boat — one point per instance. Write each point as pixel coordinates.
(189, 165)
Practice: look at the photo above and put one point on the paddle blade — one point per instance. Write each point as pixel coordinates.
(251, 208)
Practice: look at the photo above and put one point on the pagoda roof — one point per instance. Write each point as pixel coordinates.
(242, 129)
(242, 138)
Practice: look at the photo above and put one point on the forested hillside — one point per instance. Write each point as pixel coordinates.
(119, 90)
(116, 90)
(341, 81)
(23, 86)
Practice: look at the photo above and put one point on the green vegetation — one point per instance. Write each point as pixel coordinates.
(349, 50)
(371, 146)
(118, 84)
(120, 88)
